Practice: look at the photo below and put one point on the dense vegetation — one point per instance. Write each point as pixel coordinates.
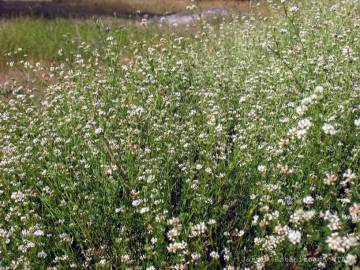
(41, 40)
(235, 146)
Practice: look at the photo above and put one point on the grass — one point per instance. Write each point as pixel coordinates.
(54, 41)
(41, 39)
(233, 146)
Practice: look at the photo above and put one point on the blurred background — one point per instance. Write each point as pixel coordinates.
(49, 32)
(70, 8)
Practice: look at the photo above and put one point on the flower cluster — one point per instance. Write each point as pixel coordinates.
(203, 150)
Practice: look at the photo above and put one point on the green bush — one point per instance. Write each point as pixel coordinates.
(236, 146)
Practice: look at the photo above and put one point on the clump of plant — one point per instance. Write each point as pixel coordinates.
(236, 146)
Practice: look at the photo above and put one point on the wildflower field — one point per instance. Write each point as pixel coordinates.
(233, 145)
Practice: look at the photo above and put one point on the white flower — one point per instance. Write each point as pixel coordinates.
(350, 259)
(41, 254)
(109, 38)
(153, 240)
(294, 236)
(237, 233)
(99, 130)
(308, 200)
(341, 243)
(125, 258)
(300, 215)
(174, 247)
(198, 230)
(173, 221)
(334, 221)
(349, 176)
(173, 233)
(348, 52)
(102, 262)
(214, 255)
(355, 212)
(255, 220)
(357, 122)
(329, 129)
(319, 89)
(136, 203)
(144, 210)
(195, 256)
(294, 9)
(300, 110)
(261, 168)
(330, 179)
(279, 229)
(38, 233)
(304, 123)
(212, 221)
(17, 196)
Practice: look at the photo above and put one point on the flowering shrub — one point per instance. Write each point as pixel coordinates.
(236, 146)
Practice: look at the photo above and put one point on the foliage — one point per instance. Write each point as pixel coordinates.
(234, 146)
